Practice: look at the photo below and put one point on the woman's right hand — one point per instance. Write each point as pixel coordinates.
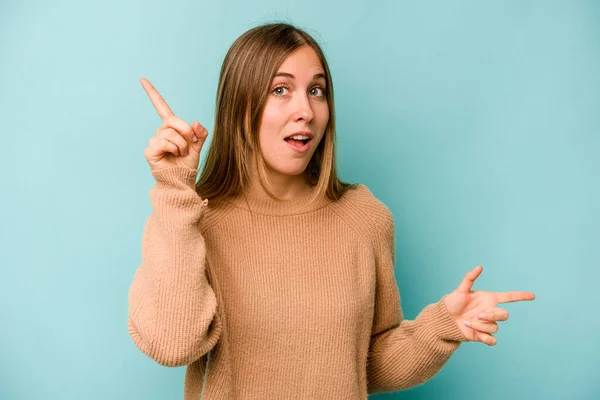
(173, 145)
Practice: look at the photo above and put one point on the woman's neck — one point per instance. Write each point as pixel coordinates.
(294, 192)
(284, 187)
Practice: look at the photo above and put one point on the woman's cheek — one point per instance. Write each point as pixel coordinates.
(323, 112)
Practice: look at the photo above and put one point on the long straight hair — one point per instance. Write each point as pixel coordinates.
(246, 76)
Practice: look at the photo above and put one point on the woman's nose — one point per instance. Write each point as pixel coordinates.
(303, 108)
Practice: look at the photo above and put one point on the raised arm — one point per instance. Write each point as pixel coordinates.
(172, 307)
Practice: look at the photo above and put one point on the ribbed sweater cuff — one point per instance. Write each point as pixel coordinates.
(174, 176)
(446, 326)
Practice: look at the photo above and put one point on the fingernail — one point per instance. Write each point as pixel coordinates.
(194, 138)
(467, 323)
(481, 316)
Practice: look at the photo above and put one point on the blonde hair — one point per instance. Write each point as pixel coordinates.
(246, 76)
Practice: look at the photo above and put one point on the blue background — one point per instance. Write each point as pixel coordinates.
(477, 123)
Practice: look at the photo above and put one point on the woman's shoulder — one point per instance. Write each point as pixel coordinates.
(360, 207)
(362, 200)
(215, 212)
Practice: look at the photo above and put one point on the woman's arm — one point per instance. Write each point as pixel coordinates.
(172, 307)
(404, 353)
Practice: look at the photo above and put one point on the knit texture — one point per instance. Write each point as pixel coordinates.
(279, 300)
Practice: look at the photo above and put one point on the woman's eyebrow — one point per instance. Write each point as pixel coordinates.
(286, 74)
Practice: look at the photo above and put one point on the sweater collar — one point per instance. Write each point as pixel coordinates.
(267, 206)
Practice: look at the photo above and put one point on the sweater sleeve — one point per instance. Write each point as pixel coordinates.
(172, 307)
(404, 353)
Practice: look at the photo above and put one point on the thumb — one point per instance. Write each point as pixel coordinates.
(200, 134)
(467, 282)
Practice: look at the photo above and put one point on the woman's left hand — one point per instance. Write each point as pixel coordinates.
(475, 312)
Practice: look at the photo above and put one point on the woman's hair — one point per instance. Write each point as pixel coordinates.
(246, 76)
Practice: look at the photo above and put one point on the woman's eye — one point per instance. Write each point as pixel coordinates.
(279, 90)
(315, 91)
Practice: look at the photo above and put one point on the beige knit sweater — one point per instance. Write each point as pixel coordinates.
(267, 300)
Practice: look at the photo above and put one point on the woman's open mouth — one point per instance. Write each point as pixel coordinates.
(299, 143)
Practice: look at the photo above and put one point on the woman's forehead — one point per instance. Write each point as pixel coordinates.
(302, 63)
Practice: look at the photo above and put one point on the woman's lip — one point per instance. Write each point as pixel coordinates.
(305, 133)
(299, 149)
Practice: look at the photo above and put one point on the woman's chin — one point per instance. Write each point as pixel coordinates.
(292, 169)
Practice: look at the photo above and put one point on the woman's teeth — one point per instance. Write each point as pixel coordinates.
(296, 141)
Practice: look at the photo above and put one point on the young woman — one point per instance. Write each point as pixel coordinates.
(270, 278)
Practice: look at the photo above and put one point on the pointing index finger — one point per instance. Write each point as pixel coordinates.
(509, 297)
(157, 101)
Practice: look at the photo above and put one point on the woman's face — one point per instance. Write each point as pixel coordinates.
(296, 104)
